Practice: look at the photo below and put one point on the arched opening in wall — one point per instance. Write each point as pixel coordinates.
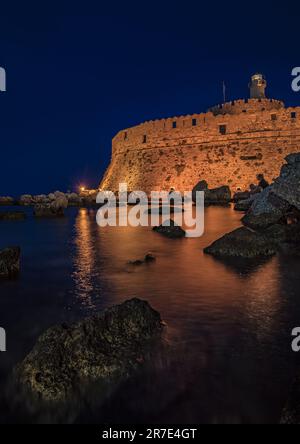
(174, 125)
(232, 103)
(273, 117)
(144, 138)
(293, 115)
(194, 122)
(125, 135)
(222, 129)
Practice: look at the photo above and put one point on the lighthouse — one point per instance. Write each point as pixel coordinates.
(257, 86)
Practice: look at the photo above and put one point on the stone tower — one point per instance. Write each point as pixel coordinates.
(228, 145)
(257, 86)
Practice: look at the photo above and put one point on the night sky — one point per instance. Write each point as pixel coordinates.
(77, 73)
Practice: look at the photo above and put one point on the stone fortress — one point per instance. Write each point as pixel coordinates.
(228, 145)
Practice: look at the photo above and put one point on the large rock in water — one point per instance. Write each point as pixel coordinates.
(214, 196)
(267, 209)
(243, 243)
(287, 186)
(9, 262)
(276, 201)
(201, 186)
(171, 230)
(245, 205)
(218, 195)
(104, 348)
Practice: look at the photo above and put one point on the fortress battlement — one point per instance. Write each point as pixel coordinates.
(229, 144)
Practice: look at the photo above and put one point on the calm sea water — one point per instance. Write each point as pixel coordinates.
(229, 324)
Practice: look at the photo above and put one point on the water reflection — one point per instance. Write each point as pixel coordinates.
(226, 321)
(84, 257)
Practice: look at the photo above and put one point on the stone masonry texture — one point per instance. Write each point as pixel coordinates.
(228, 145)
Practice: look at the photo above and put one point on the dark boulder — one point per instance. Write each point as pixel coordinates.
(105, 348)
(201, 186)
(149, 257)
(275, 203)
(170, 230)
(267, 209)
(243, 243)
(241, 195)
(212, 196)
(9, 262)
(287, 185)
(245, 205)
(218, 195)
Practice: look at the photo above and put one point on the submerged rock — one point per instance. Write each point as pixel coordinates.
(243, 243)
(172, 231)
(12, 215)
(104, 348)
(149, 257)
(9, 262)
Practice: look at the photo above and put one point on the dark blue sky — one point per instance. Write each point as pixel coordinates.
(78, 72)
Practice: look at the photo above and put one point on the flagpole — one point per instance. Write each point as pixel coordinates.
(224, 92)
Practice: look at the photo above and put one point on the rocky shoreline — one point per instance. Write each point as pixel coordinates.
(71, 199)
(272, 222)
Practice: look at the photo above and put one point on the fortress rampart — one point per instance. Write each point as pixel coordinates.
(229, 145)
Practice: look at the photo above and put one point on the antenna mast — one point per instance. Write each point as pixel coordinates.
(224, 92)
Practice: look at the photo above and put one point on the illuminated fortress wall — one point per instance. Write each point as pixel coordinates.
(229, 145)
